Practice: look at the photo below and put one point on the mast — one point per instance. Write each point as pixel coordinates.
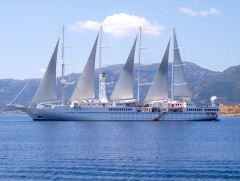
(172, 89)
(100, 62)
(63, 68)
(139, 61)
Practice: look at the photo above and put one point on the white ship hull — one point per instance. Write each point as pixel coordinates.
(90, 114)
(185, 116)
(107, 114)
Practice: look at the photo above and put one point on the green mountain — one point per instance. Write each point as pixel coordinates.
(225, 85)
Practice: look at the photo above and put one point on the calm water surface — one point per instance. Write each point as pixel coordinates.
(170, 150)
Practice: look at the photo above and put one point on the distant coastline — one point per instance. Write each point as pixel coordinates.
(230, 110)
(12, 112)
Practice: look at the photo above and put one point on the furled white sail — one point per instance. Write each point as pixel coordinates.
(85, 86)
(180, 86)
(102, 89)
(47, 90)
(159, 88)
(124, 87)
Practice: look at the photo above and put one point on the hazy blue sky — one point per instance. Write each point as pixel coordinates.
(208, 31)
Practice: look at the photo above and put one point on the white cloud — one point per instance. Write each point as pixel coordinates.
(191, 12)
(120, 25)
(187, 11)
(86, 25)
(209, 12)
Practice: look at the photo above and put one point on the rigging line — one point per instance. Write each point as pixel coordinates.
(22, 90)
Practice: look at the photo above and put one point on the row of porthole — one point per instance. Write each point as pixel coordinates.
(210, 109)
(194, 110)
(120, 109)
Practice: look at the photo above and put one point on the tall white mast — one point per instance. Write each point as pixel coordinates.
(172, 88)
(139, 61)
(100, 60)
(63, 69)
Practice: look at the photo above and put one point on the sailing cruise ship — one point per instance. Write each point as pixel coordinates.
(121, 105)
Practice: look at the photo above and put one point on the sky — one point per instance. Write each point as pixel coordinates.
(208, 32)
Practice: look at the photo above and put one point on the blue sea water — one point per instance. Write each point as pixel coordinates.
(127, 150)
